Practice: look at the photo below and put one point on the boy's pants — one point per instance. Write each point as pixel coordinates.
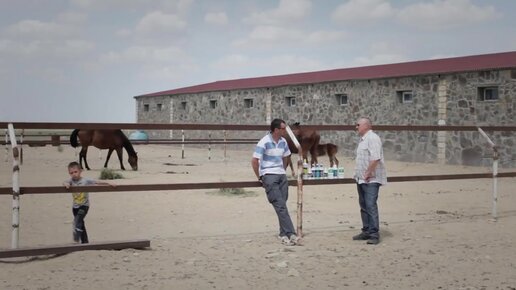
(79, 227)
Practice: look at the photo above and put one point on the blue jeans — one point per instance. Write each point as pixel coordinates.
(79, 226)
(276, 187)
(367, 198)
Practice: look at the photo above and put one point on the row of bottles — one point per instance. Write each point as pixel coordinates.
(318, 171)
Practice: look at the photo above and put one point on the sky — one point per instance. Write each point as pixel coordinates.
(85, 60)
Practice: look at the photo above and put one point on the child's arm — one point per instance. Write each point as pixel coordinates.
(67, 184)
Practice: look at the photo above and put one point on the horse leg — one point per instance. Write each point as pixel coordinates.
(82, 155)
(289, 163)
(108, 156)
(119, 152)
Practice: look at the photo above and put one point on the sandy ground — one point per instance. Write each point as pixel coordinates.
(435, 235)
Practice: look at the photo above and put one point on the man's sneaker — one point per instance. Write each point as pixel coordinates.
(285, 241)
(361, 237)
(373, 241)
(294, 240)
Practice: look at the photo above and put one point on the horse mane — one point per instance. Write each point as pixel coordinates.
(127, 144)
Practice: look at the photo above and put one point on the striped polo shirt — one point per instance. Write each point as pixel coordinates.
(271, 155)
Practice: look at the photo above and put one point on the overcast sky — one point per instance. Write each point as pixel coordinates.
(85, 60)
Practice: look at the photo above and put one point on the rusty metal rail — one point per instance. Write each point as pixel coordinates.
(56, 250)
(238, 184)
(230, 127)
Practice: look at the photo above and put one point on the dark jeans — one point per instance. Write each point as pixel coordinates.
(367, 198)
(79, 226)
(276, 187)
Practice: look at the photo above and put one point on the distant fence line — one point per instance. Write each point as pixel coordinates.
(232, 127)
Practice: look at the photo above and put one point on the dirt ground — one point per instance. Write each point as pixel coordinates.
(435, 234)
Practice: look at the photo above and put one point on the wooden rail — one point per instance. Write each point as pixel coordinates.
(237, 184)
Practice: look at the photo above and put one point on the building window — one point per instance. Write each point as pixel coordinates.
(405, 97)
(183, 105)
(213, 104)
(248, 103)
(488, 93)
(146, 107)
(159, 107)
(342, 99)
(291, 101)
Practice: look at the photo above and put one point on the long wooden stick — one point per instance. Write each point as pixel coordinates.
(16, 189)
(299, 183)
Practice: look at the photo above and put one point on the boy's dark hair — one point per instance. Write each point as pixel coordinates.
(74, 164)
(276, 123)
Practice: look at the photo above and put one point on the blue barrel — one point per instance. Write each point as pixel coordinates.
(139, 136)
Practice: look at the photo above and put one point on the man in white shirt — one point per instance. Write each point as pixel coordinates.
(370, 174)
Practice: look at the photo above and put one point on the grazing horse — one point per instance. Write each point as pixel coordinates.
(104, 139)
(308, 139)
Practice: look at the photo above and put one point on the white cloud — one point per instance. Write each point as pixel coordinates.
(217, 18)
(362, 12)
(157, 22)
(145, 54)
(273, 36)
(242, 66)
(382, 53)
(445, 14)
(286, 12)
(35, 29)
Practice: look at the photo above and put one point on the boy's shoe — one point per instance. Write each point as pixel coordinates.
(285, 241)
(294, 240)
(361, 237)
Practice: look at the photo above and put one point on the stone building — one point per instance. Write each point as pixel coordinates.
(475, 90)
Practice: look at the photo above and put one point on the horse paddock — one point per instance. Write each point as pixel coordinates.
(435, 234)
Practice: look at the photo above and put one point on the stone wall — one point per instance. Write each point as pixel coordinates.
(451, 99)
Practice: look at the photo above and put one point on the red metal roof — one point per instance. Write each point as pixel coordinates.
(436, 66)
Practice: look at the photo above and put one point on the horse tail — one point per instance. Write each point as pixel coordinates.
(126, 143)
(73, 138)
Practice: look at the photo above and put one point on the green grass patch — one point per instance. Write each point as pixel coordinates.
(107, 173)
(239, 192)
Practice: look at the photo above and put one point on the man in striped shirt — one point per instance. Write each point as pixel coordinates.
(370, 174)
(269, 162)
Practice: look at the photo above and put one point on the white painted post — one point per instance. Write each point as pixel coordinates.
(6, 145)
(299, 183)
(16, 189)
(494, 212)
(209, 146)
(183, 144)
(225, 145)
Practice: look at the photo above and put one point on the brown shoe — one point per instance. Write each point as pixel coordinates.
(361, 237)
(373, 241)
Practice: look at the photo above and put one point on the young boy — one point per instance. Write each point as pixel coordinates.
(81, 202)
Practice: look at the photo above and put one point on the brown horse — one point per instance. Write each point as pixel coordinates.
(308, 139)
(330, 150)
(322, 149)
(104, 139)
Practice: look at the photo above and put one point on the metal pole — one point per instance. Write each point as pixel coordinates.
(225, 145)
(6, 145)
(494, 212)
(209, 146)
(16, 189)
(183, 144)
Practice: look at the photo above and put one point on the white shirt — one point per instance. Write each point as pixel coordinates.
(370, 149)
